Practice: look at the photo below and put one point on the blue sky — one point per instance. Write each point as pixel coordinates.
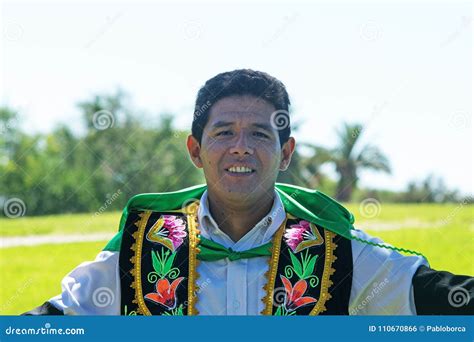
(403, 69)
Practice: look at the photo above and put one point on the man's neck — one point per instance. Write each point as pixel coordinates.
(238, 220)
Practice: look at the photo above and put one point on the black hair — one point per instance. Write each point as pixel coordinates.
(243, 82)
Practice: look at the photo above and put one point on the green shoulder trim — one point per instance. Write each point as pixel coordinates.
(114, 244)
(160, 201)
(316, 207)
(311, 205)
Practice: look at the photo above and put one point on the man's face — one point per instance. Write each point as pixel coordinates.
(240, 151)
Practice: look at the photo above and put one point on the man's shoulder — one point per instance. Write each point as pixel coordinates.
(159, 202)
(316, 207)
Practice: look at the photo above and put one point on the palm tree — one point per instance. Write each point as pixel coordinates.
(348, 160)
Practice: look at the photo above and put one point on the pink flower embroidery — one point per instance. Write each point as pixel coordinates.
(173, 229)
(302, 235)
(169, 230)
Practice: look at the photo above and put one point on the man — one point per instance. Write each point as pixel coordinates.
(244, 245)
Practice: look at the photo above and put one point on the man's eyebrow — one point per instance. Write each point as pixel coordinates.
(220, 124)
(263, 126)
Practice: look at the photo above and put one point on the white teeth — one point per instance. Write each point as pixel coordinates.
(240, 169)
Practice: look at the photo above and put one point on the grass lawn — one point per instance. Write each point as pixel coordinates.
(444, 234)
(32, 275)
(60, 224)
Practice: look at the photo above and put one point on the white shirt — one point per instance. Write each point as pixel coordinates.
(381, 280)
(235, 287)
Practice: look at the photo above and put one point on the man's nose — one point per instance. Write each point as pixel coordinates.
(241, 145)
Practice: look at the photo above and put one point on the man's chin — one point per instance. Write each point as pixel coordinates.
(239, 192)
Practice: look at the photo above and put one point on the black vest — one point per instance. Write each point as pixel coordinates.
(310, 270)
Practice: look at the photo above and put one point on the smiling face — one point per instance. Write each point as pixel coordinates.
(240, 151)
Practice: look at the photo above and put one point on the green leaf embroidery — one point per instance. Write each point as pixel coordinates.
(156, 262)
(179, 310)
(278, 312)
(310, 267)
(296, 265)
(282, 311)
(169, 263)
(131, 313)
(175, 312)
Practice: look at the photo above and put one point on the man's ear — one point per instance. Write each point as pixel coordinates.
(194, 150)
(286, 152)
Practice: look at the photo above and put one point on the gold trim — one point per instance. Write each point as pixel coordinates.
(136, 260)
(327, 272)
(193, 262)
(270, 275)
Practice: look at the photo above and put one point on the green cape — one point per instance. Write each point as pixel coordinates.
(310, 205)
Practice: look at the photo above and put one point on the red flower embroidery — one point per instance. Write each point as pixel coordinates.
(165, 293)
(294, 295)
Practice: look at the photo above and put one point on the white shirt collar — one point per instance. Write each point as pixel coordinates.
(260, 234)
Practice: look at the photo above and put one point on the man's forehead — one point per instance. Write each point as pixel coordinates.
(241, 110)
(242, 105)
(226, 123)
(223, 119)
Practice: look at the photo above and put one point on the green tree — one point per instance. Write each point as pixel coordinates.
(429, 190)
(121, 149)
(349, 159)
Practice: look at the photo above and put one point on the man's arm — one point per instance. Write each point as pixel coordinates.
(386, 282)
(382, 279)
(443, 293)
(92, 288)
(47, 309)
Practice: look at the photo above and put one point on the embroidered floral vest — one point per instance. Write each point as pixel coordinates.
(158, 266)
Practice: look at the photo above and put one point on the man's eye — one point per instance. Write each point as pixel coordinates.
(261, 135)
(223, 133)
